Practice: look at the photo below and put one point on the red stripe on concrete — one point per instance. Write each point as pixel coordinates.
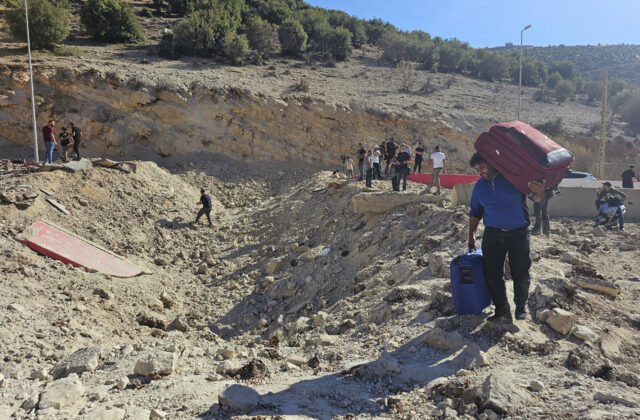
(446, 180)
(54, 242)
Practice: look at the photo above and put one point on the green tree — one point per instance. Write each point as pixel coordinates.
(554, 79)
(206, 32)
(48, 23)
(375, 29)
(236, 47)
(566, 69)
(262, 37)
(340, 45)
(493, 66)
(110, 21)
(394, 47)
(564, 90)
(452, 54)
(293, 38)
(631, 114)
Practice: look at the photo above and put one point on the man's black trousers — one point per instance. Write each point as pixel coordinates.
(496, 245)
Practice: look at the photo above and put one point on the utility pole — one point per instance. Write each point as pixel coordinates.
(33, 100)
(603, 126)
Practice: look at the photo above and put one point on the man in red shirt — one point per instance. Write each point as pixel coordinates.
(49, 140)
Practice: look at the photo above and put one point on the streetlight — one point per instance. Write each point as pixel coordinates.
(33, 100)
(520, 78)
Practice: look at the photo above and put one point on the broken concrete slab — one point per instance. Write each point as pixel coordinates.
(55, 242)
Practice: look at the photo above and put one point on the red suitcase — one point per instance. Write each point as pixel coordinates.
(523, 154)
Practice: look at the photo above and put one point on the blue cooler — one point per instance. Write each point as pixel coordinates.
(468, 285)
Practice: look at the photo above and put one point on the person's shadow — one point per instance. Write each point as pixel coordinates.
(364, 387)
(175, 224)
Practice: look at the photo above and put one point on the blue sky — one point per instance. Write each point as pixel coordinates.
(492, 23)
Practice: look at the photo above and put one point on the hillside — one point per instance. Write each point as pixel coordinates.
(622, 61)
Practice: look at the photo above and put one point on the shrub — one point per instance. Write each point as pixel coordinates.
(554, 79)
(340, 45)
(48, 23)
(179, 7)
(209, 31)
(293, 37)
(566, 69)
(564, 90)
(375, 29)
(620, 99)
(593, 90)
(493, 66)
(236, 47)
(262, 37)
(429, 87)
(110, 21)
(146, 12)
(452, 54)
(407, 75)
(552, 128)
(273, 11)
(301, 86)
(393, 47)
(167, 47)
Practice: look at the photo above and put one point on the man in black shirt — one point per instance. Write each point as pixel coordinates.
(628, 177)
(77, 138)
(403, 159)
(390, 153)
(361, 154)
(205, 200)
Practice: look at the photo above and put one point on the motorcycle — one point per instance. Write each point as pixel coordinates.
(609, 213)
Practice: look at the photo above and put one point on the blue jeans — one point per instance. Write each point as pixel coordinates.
(496, 244)
(49, 145)
(361, 167)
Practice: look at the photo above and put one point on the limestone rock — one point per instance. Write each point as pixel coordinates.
(137, 413)
(107, 413)
(179, 324)
(439, 264)
(239, 397)
(583, 333)
(606, 397)
(83, 360)
(274, 266)
(536, 385)
(61, 392)
(158, 414)
(77, 165)
(503, 396)
(560, 320)
(31, 402)
(202, 268)
(441, 339)
(122, 383)
(159, 362)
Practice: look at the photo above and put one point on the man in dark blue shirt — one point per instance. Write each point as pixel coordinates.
(205, 200)
(505, 214)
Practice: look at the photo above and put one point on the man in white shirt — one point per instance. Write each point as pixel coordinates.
(376, 162)
(369, 165)
(438, 165)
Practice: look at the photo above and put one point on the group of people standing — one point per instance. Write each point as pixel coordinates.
(396, 159)
(68, 139)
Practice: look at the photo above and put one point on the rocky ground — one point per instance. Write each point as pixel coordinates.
(323, 299)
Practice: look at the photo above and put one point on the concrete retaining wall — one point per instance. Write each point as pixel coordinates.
(577, 199)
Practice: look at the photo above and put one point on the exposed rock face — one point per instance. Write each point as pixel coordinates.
(165, 120)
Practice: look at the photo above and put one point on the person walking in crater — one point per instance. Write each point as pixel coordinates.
(205, 200)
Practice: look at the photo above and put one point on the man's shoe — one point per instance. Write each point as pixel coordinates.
(501, 319)
(522, 314)
(535, 230)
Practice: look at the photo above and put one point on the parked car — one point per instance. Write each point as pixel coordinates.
(580, 175)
